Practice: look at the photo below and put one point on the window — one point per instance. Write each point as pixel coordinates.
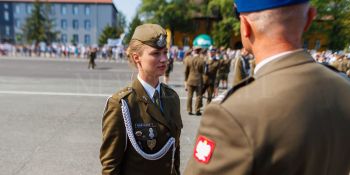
(64, 38)
(75, 24)
(7, 30)
(6, 6)
(87, 9)
(52, 9)
(76, 38)
(75, 9)
(63, 9)
(18, 9)
(87, 39)
(64, 24)
(6, 16)
(87, 24)
(29, 8)
(18, 23)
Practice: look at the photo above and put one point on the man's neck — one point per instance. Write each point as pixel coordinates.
(267, 50)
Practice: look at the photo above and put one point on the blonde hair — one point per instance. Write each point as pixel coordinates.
(135, 46)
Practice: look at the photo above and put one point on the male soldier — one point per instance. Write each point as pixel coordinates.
(193, 80)
(224, 69)
(242, 67)
(210, 70)
(92, 56)
(291, 118)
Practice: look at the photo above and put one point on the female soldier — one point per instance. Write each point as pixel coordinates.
(141, 124)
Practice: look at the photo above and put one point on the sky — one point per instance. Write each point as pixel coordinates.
(128, 8)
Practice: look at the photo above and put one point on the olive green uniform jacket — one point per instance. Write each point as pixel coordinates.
(194, 67)
(212, 67)
(293, 119)
(117, 155)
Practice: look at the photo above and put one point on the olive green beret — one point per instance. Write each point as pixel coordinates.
(150, 34)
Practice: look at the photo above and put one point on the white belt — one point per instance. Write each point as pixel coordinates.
(130, 133)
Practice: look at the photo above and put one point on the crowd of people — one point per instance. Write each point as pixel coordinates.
(62, 51)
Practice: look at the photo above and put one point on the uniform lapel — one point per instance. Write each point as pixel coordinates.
(167, 102)
(151, 108)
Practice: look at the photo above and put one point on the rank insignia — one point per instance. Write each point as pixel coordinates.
(204, 149)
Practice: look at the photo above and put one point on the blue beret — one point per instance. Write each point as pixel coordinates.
(258, 5)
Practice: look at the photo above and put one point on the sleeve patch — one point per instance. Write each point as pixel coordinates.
(203, 150)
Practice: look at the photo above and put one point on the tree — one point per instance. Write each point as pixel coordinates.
(227, 25)
(134, 23)
(108, 32)
(333, 22)
(39, 26)
(172, 14)
(49, 25)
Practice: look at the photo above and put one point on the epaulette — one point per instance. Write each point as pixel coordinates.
(167, 87)
(122, 93)
(239, 85)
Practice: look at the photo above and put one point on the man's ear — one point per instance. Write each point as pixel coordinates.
(311, 15)
(247, 28)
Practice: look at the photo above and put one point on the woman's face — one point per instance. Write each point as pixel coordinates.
(152, 62)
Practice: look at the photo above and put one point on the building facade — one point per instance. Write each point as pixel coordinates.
(77, 21)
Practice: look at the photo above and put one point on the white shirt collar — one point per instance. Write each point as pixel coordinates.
(150, 90)
(272, 58)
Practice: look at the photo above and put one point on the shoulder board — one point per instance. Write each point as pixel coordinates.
(241, 84)
(122, 93)
(167, 87)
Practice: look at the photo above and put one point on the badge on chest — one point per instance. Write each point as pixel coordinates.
(146, 132)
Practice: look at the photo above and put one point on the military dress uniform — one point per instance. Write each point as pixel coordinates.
(141, 125)
(152, 128)
(209, 77)
(194, 67)
(224, 69)
(271, 124)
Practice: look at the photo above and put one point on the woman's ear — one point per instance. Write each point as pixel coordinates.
(136, 58)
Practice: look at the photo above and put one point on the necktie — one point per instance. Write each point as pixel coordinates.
(156, 99)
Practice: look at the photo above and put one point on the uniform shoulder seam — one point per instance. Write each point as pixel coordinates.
(122, 93)
(241, 84)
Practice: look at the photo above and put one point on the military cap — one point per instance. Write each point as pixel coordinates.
(151, 34)
(259, 5)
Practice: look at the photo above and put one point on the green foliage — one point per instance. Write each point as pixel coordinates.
(134, 23)
(39, 26)
(174, 14)
(332, 21)
(227, 26)
(108, 32)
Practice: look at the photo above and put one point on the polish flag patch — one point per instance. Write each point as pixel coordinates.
(204, 149)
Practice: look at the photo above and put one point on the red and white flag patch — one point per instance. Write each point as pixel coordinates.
(204, 149)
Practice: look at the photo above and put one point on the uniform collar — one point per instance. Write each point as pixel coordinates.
(150, 90)
(285, 61)
(273, 58)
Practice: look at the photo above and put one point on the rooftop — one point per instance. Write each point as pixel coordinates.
(64, 1)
